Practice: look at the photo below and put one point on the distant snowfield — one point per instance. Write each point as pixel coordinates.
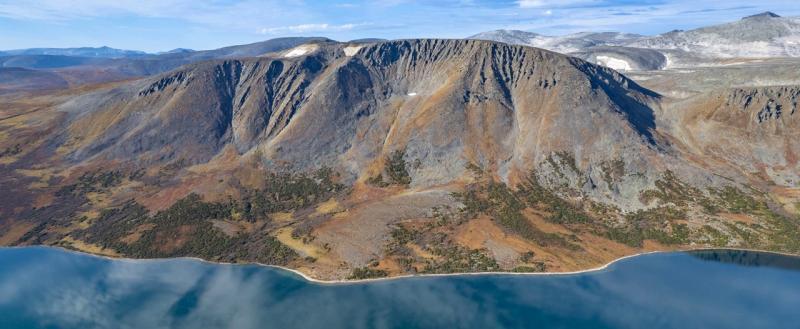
(301, 51)
(412, 94)
(614, 63)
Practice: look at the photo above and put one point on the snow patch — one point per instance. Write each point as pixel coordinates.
(351, 50)
(300, 50)
(412, 94)
(668, 63)
(614, 63)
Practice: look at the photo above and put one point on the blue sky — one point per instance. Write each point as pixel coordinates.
(158, 25)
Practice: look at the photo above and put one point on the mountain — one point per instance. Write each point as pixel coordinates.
(267, 101)
(177, 51)
(762, 35)
(397, 157)
(100, 52)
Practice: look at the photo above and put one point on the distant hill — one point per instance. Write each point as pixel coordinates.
(99, 52)
(177, 51)
(50, 61)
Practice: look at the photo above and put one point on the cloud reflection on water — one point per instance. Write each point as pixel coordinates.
(45, 287)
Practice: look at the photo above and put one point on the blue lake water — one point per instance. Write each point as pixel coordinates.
(51, 288)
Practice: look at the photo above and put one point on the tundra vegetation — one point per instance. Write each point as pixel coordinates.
(190, 226)
(187, 227)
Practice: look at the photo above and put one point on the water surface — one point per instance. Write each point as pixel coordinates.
(51, 288)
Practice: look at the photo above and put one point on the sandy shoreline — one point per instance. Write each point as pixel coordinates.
(399, 277)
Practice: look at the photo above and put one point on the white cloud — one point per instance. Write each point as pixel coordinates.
(553, 3)
(305, 28)
(241, 14)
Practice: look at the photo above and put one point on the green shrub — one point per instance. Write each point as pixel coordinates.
(536, 268)
(457, 259)
(396, 168)
(362, 273)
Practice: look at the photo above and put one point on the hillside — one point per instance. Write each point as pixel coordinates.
(20, 79)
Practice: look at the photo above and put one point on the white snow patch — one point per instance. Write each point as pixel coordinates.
(412, 94)
(301, 50)
(668, 64)
(614, 63)
(351, 50)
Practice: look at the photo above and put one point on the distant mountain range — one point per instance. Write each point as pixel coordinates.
(99, 52)
(90, 67)
(763, 35)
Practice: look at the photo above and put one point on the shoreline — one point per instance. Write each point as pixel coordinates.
(398, 277)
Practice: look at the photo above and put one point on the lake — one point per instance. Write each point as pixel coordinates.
(44, 287)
